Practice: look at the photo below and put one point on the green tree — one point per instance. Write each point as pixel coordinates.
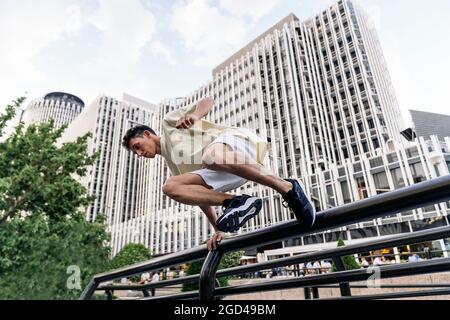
(130, 254)
(229, 260)
(350, 262)
(44, 236)
(36, 257)
(37, 175)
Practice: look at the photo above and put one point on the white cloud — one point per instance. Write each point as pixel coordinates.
(126, 27)
(158, 48)
(255, 9)
(26, 29)
(110, 65)
(209, 33)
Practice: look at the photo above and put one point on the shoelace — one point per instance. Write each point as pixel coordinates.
(286, 204)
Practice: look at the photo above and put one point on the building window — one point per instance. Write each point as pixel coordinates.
(362, 190)
(350, 131)
(345, 151)
(355, 150)
(360, 127)
(345, 192)
(376, 143)
(368, 232)
(338, 116)
(330, 196)
(365, 147)
(412, 152)
(335, 236)
(397, 177)
(313, 239)
(417, 172)
(381, 182)
(436, 168)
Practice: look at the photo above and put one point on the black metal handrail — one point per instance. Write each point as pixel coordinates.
(418, 195)
(392, 241)
(397, 295)
(389, 271)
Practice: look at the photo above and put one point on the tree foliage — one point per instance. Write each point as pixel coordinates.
(130, 254)
(43, 230)
(36, 256)
(229, 260)
(37, 175)
(350, 262)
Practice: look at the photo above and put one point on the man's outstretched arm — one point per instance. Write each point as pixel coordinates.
(204, 106)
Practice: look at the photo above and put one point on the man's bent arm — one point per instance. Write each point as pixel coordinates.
(210, 213)
(204, 107)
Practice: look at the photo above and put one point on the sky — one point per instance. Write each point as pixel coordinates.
(157, 49)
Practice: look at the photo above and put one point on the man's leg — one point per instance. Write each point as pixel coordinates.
(220, 158)
(192, 190)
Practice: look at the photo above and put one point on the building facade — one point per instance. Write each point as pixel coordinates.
(320, 92)
(121, 182)
(427, 124)
(61, 107)
(305, 86)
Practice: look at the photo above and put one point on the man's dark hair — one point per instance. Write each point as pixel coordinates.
(135, 132)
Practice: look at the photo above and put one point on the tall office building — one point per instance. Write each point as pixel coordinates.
(319, 91)
(120, 181)
(427, 124)
(62, 107)
(163, 225)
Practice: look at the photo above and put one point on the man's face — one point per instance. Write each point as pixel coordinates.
(143, 146)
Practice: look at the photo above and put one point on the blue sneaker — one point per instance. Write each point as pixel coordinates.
(299, 203)
(237, 212)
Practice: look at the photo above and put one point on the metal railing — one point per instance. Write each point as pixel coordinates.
(413, 197)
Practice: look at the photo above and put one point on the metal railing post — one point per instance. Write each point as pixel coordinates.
(307, 291)
(408, 198)
(110, 294)
(207, 280)
(89, 290)
(345, 287)
(315, 292)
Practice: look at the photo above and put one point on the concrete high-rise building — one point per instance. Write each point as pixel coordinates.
(120, 181)
(320, 92)
(427, 124)
(163, 225)
(62, 107)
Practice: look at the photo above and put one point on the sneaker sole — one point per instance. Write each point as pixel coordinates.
(240, 215)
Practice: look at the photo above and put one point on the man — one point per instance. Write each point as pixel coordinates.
(414, 258)
(326, 267)
(379, 261)
(155, 278)
(145, 278)
(207, 160)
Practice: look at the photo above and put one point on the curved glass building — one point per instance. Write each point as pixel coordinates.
(62, 107)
